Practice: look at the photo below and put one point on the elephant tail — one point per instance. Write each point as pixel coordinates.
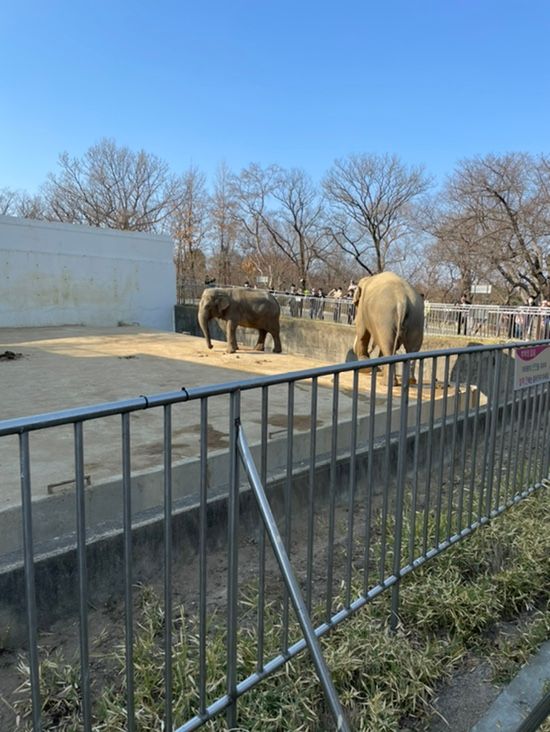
(401, 315)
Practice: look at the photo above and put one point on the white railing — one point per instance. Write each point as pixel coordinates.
(479, 321)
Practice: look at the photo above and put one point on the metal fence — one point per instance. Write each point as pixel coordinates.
(365, 485)
(479, 321)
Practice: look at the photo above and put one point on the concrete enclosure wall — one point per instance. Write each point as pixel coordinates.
(64, 274)
(302, 337)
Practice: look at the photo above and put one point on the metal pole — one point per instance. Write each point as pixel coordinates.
(168, 566)
(292, 584)
(82, 576)
(233, 559)
(30, 591)
(332, 498)
(128, 574)
(401, 466)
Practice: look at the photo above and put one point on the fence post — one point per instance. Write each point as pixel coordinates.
(401, 462)
(30, 591)
(233, 559)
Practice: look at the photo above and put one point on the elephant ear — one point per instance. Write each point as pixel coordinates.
(357, 295)
(223, 301)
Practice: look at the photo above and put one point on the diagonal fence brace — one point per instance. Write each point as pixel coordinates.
(291, 583)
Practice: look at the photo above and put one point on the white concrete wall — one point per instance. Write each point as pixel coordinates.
(64, 274)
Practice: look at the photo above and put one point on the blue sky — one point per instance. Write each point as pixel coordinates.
(293, 82)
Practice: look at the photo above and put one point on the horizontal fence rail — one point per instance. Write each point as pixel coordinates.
(358, 484)
(480, 321)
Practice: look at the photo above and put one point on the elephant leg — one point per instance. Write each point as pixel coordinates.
(413, 345)
(276, 340)
(260, 345)
(386, 345)
(361, 345)
(231, 336)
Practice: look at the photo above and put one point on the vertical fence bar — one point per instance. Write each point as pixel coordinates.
(82, 576)
(473, 462)
(529, 406)
(417, 429)
(493, 409)
(386, 486)
(261, 535)
(352, 485)
(311, 492)
(503, 425)
(128, 596)
(465, 441)
(30, 590)
(332, 497)
(443, 429)
(519, 420)
(486, 432)
(535, 470)
(203, 561)
(370, 482)
(545, 439)
(514, 413)
(451, 492)
(532, 431)
(429, 459)
(167, 419)
(288, 504)
(233, 558)
(400, 490)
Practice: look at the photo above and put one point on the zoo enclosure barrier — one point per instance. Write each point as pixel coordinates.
(372, 484)
(480, 321)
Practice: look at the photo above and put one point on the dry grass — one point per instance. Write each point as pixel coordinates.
(499, 578)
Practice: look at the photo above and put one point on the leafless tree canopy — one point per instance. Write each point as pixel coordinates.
(224, 225)
(280, 210)
(189, 224)
(16, 203)
(370, 199)
(496, 222)
(490, 221)
(114, 187)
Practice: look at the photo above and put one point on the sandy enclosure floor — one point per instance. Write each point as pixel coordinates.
(61, 368)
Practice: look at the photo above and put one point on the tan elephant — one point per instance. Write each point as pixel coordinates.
(391, 312)
(241, 306)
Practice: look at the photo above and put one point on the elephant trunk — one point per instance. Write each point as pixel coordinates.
(203, 322)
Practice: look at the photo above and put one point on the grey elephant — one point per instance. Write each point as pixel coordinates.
(391, 312)
(241, 306)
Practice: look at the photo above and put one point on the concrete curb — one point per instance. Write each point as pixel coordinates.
(514, 704)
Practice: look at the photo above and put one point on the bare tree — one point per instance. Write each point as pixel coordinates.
(113, 187)
(18, 203)
(8, 202)
(282, 208)
(224, 225)
(370, 199)
(189, 226)
(506, 199)
(455, 253)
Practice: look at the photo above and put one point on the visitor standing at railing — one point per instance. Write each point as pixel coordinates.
(336, 294)
(463, 314)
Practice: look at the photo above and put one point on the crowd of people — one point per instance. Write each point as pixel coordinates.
(526, 321)
(340, 302)
(337, 302)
